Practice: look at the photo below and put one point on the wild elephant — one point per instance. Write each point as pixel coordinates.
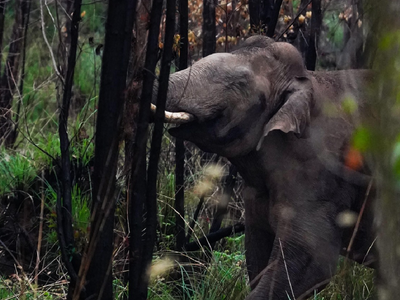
(288, 131)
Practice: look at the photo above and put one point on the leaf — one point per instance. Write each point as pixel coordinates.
(362, 139)
(349, 105)
(353, 159)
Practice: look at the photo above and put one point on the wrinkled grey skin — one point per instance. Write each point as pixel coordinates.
(285, 129)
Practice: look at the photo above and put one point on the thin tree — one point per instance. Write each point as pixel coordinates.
(2, 19)
(273, 20)
(64, 200)
(316, 23)
(137, 186)
(142, 252)
(260, 15)
(135, 77)
(14, 134)
(209, 28)
(96, 264)
(10, 77)
(179, 145)
(152, 172)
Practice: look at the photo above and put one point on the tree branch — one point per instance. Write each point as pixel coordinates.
(214, 237)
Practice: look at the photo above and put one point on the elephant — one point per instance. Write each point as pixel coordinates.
(288, 131)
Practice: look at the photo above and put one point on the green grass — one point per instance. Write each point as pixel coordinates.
(352, 282)
(224, 277)
(17, 172)
(22, 288)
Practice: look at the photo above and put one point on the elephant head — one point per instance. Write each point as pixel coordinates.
(259, 107)
(234, 99)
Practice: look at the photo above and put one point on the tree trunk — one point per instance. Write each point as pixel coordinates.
(152, 172)
(137, 185)
(9, 80)
(260, 15)
(209, 28)
(351, 57)
(14, 134)
(64, 203)
(2, 18)
(383, 125)
(316, 23)
(135, 78)
(274, 18)
(179, 145)
(96, 265)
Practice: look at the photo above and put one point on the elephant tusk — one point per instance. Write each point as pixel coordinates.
(174, 117)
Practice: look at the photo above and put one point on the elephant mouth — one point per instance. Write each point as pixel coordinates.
(175, 117)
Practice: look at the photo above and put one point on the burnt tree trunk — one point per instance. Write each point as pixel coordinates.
(316, 23)
(152, 172)
(135, 77)
(303, 35)
(132, 98)
(64, 14)
(144, 196)
(10, 77)
(14, 134)
(179, 145)
(137, 184)
(273, 20)
(64, 203)
(95, 271)
(260, 15)
(2, 18)
(209, 28)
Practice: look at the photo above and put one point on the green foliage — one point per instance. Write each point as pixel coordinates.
(349, 105)
(87, 74)
(45, 149)
(223, 278)
(93, 19)
(17, 172)
(335, 31)
(21, 288)
(120, 290)
(235, 244)
(362, 139)
(80, 209)
(353, 281)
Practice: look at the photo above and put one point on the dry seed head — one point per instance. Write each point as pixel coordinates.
(203, 188)
(160, 267)
(213, 172)
(346, 218)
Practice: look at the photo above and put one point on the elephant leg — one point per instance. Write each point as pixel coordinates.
(259, 239)
(303, 258)
(259, 244)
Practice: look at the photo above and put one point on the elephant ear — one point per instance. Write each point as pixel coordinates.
(295, 113)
